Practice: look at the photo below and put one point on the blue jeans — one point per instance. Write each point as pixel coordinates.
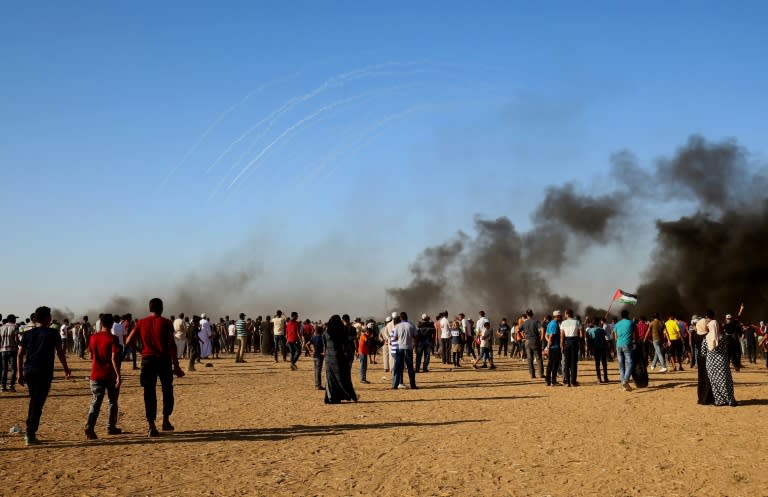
(397, 368)
(625, 363)
(408, 359)
(295, 348)
(363, 358)
(280, 343)
(659, 356)
(423, 350)
(8, 365)
(98, 389)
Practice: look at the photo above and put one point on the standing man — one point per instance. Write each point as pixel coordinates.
(503, 334)
(532, 332)
(205, 337)
(657, 336)
(445, 337)
(570, 330)
(624, 330)
(180, 335)
(384, 337)
(35, 367)
(555, 354)
(159, 359)
(293, 338)
(278, 330)
(405, 331)
(241, 331)
(425, 344)
(9, 349)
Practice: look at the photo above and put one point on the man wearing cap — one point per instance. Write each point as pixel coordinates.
(554, 355)
(424, 345)
(205, 334)
(9, 347)
(384, 337)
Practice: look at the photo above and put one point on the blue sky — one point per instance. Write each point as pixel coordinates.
(486, 102)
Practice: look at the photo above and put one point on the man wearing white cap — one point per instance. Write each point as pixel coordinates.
(384, 337)
(205, 337)
(424, 347)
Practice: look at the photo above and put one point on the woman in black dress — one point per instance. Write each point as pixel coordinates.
(338, 377)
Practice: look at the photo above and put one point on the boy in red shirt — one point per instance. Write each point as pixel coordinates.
(105, 376)
(362, 354)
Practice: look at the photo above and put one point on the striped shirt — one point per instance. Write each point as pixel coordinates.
(240, 327)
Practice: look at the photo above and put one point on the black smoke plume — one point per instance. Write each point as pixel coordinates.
(713, 258)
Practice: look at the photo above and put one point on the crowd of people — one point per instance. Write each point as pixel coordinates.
(562, 339)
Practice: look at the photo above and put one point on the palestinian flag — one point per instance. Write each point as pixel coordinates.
(624, 297)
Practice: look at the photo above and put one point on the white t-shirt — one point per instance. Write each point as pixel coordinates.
(231, 330)
(63, 332)
(118, 330)
(480, 325)
(205, 328)
(178, 329)
(445, 329)
(279, 326)
(570, 328)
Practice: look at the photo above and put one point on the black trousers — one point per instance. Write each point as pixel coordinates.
(153, 368)
(553, 364)
(571, 364)
(445, 350)
(533, 348)
(601, 357)
(38, 389)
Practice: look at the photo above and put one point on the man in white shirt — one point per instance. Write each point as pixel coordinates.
(570, 332)
(445, 338)
(384, 337)
(180, 335)
(278, 329)
(118, 330)
(64, 333)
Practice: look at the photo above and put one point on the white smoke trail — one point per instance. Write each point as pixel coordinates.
(301, 122)
(338, 80)
(216, 122)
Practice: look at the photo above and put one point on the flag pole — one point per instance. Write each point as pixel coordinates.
(609, 310)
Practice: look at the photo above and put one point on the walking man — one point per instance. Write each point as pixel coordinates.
(35, 367)
(159, 359)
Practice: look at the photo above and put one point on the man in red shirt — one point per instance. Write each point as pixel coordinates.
(292, 336)
(158, 360)
(105, 376)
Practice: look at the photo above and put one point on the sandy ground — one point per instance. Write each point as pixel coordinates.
(261, 429)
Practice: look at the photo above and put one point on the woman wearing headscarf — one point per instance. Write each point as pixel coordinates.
(338, 376)
(704, 388)
(717, 363)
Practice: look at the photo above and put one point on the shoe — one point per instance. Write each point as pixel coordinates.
(475, 366)
(294, 367)
(364, 381)
(663, 370)
(90, 434)
(414, 387)
(626, 387)
(167, 426)
(153, 432)
(576, 384)
(493, 367)
(653, 368)
(549, 384)
(113, 430)
(425, 370)
(30, 440)
(556, 384)
(484, 366)
(4, 390)
(402, 387)
(681, 368)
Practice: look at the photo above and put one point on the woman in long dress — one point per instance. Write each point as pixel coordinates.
(338, 376)
(704, 389)
(717, 364)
